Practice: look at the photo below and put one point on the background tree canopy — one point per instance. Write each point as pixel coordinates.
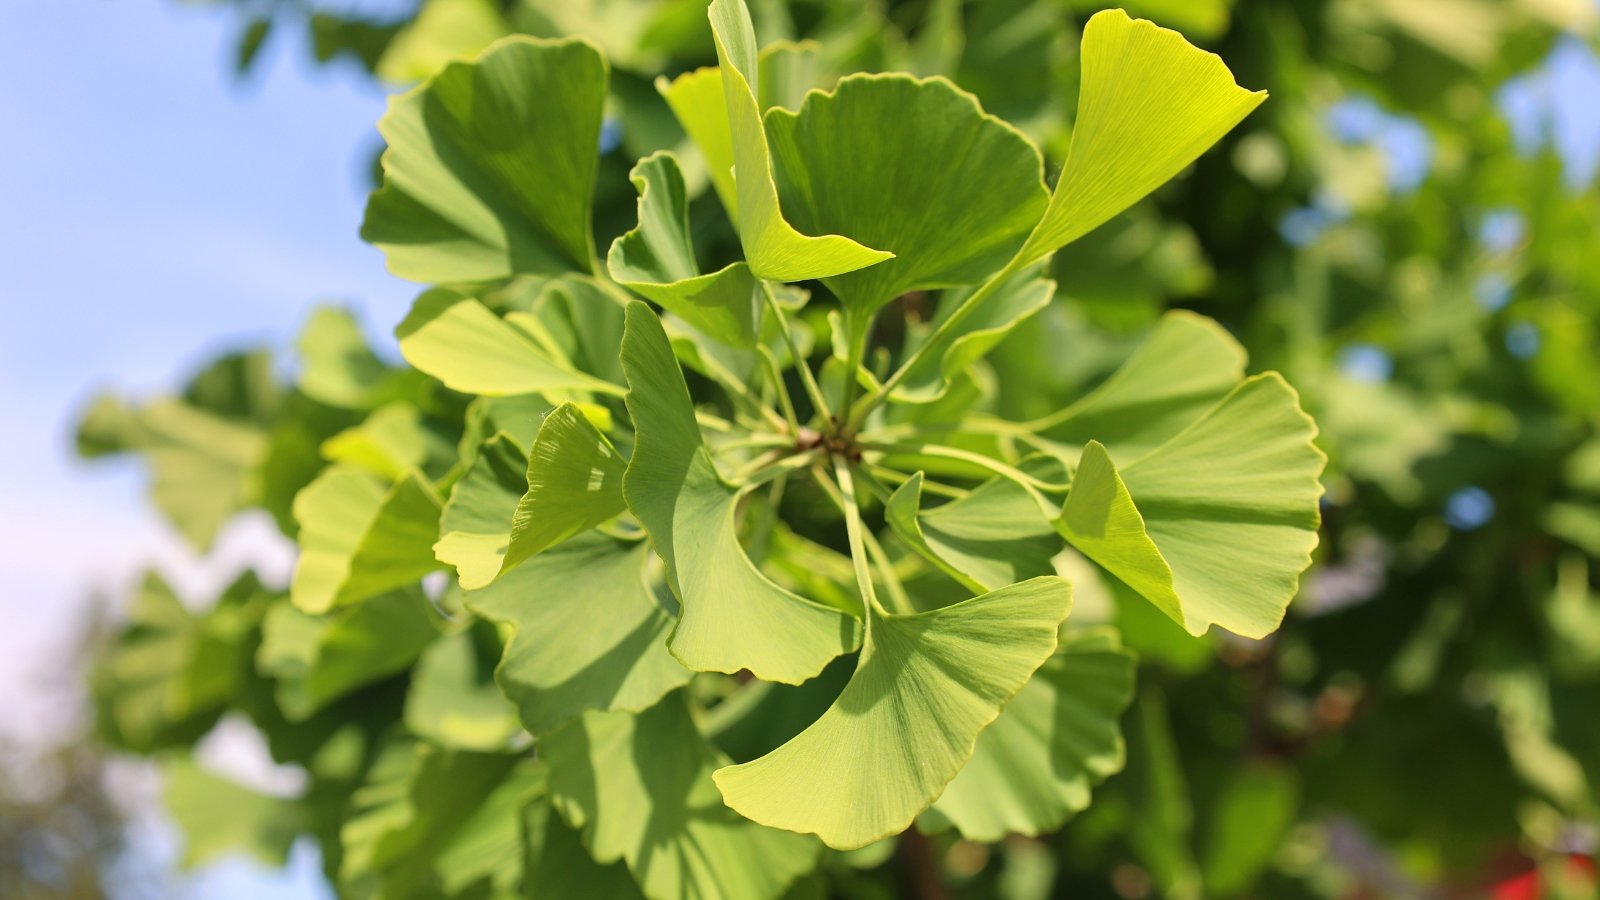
(1391, 230)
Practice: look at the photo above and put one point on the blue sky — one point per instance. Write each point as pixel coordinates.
(155, 211)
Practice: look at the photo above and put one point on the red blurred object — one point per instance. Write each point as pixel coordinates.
(1530, 885)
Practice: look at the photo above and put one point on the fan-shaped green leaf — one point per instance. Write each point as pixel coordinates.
(873, 161)
(460, 342)
(1216, 525)
(219, 816)
(392, 442)
(733, 616)
(1034, 767)
(359, 538)
(774, 249)
(990, 538)
(656, 260)
(1149, 104)
(490, 168)
(925, 687)
(639, 787)
(574, 482)
(597, 641)
(1180, 372)
(696, 99)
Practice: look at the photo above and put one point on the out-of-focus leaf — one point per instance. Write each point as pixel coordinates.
(443, 31)
(219, 816)
(360, 538)
(453, 700)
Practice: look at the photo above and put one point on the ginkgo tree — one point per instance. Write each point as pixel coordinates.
(739, 580)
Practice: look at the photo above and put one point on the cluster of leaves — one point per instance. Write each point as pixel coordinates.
(744, 589)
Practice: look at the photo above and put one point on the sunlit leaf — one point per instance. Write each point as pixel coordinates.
(460, 342)
(573, 481)
(219, 816)
(1216, 525)
(872, 161)
(475, 528)
(1014, 303)
(1149, 104)
(733, 616)
(774, 249)
(490, 168)
(925, 687)
(360, 537)
(656, 260)
(639, 787)
(697, 100)
(443, 31)
(588, 632)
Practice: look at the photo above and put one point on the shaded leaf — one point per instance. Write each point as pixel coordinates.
(925, 687)
(656, 260)
(1034, 767)
(733, 616)
(588, 632)
(639, 788)
(475, 528)
(453, 700)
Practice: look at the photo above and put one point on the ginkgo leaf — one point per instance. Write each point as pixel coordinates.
(1034, 767)
(337, 367)
(172, 671)
(391, 443)
(459, 341)
(589, 633)
(925, 687)
(656, 260)
(573, 483)
(490, 167)
(558, 865)
(219, 816)
(360, 537)
(1180, 372)
(416, 800)
(453, 701)
(1149, 104)
(773, 248)
(1012, 304)
(639, 788)
(475, 528)
(733, 616)
(872, 160)
(1216, 525)
(443, 31)
(992, 537)
(696, 99)
(316, 660)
